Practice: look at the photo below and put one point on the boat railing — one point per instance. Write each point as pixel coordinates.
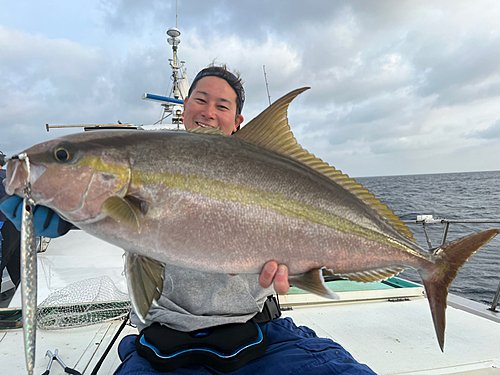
(423, 220)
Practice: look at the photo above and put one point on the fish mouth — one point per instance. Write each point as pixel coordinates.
(17, 175)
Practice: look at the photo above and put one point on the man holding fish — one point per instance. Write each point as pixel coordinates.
(198, 314)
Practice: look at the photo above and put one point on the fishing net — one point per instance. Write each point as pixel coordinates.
(83, 303)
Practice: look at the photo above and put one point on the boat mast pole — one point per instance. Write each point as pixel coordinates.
(174, 41)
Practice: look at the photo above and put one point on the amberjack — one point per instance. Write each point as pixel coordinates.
(229, 204)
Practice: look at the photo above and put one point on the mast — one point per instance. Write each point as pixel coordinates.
(173, 104)
(174, 41)
(176, 66)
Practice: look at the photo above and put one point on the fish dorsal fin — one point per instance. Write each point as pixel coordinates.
(211, 131)
(128, 211)
(144, 281)
(270, 131)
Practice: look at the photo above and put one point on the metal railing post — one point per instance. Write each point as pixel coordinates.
(427, 236)
(495, 300)
(445, 232)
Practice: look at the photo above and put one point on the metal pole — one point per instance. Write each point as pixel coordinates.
(495, 300)
(48, 127)
(427, 236)
(267, 86)
(445, 233)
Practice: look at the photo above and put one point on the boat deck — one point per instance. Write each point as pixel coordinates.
(398, 337)
(390, 337)
(388, 326)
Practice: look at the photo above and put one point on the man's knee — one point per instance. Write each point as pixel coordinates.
(126, 346)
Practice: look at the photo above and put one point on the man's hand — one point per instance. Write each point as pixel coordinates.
(272, 272)
(47, 222)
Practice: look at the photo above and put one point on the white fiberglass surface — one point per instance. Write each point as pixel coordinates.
(72, 258)
(398, 337)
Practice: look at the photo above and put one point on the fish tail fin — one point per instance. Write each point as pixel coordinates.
(437, 280)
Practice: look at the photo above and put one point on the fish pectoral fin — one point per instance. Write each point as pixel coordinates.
(144, 281)
(313, 282)
(128, 210)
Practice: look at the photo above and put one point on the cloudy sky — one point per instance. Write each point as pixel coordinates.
(398, 87)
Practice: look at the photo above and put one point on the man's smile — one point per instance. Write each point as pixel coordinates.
(202, 125)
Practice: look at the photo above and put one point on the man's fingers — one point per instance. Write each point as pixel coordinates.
(277, 274)
(281, 284)
(267, 275)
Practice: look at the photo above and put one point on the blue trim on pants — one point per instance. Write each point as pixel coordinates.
(290, 350)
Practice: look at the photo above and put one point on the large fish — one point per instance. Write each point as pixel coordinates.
(229, 204)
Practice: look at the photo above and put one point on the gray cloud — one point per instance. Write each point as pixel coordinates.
(351, 50)
(132, 17)
(492, 132)
(391, 81)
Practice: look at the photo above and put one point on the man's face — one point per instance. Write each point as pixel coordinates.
(212, 104)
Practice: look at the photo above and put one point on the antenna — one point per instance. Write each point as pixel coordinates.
(267, 86)
(172, 104)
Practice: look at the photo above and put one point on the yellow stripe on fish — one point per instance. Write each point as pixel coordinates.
(229, 191)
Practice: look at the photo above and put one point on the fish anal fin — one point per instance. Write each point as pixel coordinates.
(128, 211)
(144, 281)
(437, 278)
(313, 282)
(370, 276)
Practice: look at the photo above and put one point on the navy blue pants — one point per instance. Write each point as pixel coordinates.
(290, 350)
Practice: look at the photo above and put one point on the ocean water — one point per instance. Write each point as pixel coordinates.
(452, 196)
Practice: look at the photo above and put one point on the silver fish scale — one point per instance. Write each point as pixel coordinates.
(238, 238)
(251, 167)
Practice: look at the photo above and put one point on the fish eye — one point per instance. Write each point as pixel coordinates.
(62, 155)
